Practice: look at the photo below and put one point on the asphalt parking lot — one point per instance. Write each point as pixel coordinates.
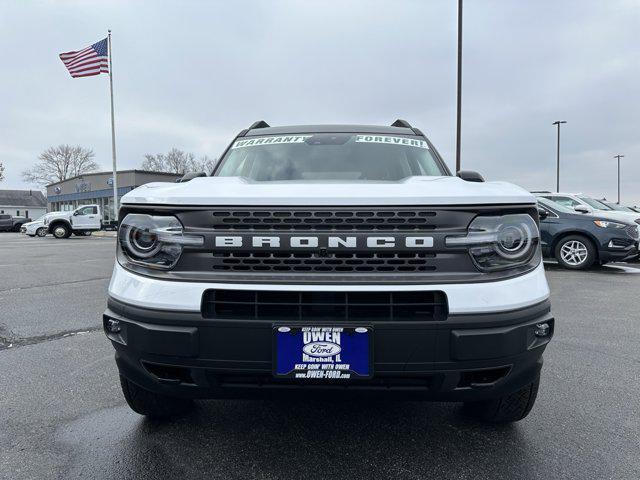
(62, 414)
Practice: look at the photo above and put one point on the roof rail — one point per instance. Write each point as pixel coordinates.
(401, 123)
(540, 191)
(259, 124)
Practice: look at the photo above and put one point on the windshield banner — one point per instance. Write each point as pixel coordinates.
(412, 142)
(270, 141)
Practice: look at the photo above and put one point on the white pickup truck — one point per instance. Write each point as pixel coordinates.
(82, 221)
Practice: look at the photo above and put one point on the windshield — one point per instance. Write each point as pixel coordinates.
(329, 156)
(619, 208)
(595, 203)
(554, 206)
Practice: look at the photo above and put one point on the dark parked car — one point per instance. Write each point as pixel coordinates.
(11, 224)
(578, 240)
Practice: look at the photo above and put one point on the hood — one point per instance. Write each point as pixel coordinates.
(239, 191)
(626, 217)
(35, 222)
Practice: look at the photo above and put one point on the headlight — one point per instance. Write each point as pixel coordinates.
(154, 241)
(608, 224)
(501, 243)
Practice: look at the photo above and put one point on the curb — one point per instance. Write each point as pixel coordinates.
(103, 233)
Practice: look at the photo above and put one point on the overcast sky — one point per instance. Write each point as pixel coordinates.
(191, 74)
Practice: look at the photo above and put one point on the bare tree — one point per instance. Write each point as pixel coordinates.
(177, 161)
(204, 164)
(174, 161)
(1, 172)
(59, 163)
(154, 163)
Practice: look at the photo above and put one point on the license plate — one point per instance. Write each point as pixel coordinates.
(322, 353)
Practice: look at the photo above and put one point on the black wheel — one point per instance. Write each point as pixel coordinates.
(61, 231)
(152, 404)
(41, 232)
(507, 409)
(575, 252)
(16, 228)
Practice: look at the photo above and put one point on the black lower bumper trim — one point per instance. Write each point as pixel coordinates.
(466, 357)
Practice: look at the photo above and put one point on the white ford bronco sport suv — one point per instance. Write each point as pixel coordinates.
(333, 259)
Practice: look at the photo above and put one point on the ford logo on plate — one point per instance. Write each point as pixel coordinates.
(321, 349)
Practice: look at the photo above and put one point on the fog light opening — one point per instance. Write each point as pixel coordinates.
(113, 326)
(542, 330)
(482, 378)
(169, 373)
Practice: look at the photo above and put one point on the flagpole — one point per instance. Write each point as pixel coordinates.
(113, 135)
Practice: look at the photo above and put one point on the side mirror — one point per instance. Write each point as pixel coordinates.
(76, 213)
(470, 176)
(542, 213)
(190, 176)
(582, 209)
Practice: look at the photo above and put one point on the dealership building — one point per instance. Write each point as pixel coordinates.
(97, 188)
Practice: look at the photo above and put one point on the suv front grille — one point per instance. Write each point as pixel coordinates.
(331, 262)
(331, 244)
(335, 306)
(633, 231)
(244, 260)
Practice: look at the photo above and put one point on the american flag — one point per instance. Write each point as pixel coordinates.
(89, 61)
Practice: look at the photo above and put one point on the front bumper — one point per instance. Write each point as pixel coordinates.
(30, 229)
(617, 250)
(466, 357)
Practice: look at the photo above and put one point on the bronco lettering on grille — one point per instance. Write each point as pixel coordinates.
(333, 242)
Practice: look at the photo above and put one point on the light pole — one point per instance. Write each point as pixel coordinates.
(459, 95)
(558, 123)
(618, 157)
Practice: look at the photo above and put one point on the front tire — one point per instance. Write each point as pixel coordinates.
(575, 252)
(153, 405)
(41, 232)
(61, 231)
(507, 409)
